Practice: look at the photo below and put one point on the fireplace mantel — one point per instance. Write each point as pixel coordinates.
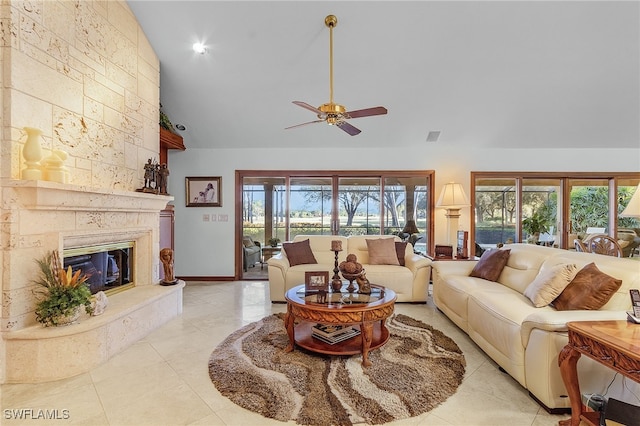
(44, 195)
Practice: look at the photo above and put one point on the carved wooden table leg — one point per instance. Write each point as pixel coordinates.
(289, 323)
(567, 360)
(366, 330)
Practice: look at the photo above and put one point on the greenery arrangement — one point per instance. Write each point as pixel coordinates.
(537, 224)
(273, 242)
(63, 292)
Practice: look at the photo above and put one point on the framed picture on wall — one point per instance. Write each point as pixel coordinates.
(204, 191)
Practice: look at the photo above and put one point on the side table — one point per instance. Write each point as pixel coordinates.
(615, 344)
(268, 252)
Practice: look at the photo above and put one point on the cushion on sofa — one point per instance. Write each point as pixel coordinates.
(401, 248)
(299, 253)
(549, 283)
(491, 264)
(382, 251)
(591, 289)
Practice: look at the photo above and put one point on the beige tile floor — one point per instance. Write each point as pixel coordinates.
(163, 379)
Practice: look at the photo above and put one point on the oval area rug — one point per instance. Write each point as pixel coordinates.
(416, 370)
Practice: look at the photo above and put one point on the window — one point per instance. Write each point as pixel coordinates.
(550, 209)
(286, 204)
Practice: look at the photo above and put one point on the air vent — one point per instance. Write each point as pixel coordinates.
(433, 136)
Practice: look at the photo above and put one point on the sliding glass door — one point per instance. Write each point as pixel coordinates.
(285, 204)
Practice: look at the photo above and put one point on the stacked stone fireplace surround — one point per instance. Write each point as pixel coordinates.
(84, 74)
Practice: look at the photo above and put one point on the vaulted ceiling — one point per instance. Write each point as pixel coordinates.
(539, 74)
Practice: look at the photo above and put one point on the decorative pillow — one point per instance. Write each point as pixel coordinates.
(299, 253)
(382, 251)
(247, 242)
(591, 289)
(401, 248)
(549, 284)
(491, 264)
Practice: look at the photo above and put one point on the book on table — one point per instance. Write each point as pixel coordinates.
(334, 333)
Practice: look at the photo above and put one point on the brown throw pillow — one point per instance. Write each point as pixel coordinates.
(591, 289)
(401, 248)
(299, 253)
(382, 251)
(491, 264)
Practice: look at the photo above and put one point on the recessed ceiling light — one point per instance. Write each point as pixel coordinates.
(199, 48)
(180, 127)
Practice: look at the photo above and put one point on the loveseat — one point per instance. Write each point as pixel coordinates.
(409, 282)
(523, 339)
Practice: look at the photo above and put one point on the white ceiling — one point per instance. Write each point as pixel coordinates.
(539, 74)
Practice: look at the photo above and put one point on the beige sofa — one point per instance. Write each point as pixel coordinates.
(520, 338)
(410, 282)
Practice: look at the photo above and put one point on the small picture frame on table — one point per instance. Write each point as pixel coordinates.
(315, 281)
(203, 191)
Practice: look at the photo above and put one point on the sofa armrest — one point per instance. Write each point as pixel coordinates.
(415, 262)
(279, 261)
(454, 267)
(556, 321)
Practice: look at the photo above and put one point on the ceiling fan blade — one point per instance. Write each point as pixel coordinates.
(307, 106)
(367, 112)
(348, 128)
(304, 124)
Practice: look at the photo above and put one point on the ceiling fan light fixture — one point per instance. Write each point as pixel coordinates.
(332, 113)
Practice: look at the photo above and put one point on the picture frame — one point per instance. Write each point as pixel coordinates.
(315, 281)
(203, 191)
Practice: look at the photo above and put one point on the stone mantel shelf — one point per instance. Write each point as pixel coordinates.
(45, 195)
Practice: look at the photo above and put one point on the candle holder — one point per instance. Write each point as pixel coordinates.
(336, 281)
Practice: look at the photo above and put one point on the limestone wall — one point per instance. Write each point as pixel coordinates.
(84, 73)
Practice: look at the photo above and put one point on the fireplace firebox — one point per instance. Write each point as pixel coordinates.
(109, 266)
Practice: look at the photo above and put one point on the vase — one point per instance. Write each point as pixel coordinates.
(32, 154)
(68, 319)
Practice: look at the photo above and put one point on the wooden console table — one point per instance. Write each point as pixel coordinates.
(615, 344)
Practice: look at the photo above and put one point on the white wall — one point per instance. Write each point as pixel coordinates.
(207, 248)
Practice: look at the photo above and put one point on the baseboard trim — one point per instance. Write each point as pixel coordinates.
(206, 278)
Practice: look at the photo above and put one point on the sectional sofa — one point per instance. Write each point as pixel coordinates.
(410, 282)
(522, 339)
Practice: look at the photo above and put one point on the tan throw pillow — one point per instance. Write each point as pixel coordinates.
(491, 264)
(382, 251)
(299, 253)
(401, 248)
(247, 242)
(591, 289)
(550, 283)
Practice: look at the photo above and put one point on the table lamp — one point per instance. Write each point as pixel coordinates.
(633, 208)
(453, 199)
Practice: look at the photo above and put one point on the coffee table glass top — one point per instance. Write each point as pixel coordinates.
(343, 299)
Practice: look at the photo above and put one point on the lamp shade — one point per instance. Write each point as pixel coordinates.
(452, 197)
(633, 208)
(410, 227)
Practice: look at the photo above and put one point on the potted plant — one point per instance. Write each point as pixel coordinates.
(535, 225)
(63, 292)
(273, 242)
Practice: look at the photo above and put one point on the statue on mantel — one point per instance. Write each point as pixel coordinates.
(150, 177)
(163, 178)
(166, 257)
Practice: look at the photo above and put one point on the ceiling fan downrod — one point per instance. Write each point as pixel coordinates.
(331, 21)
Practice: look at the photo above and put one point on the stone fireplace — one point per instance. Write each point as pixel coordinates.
(47, 216)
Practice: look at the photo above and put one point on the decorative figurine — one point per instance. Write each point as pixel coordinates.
(150, 177)
(163, 177)
(166, 257)
(364, 286)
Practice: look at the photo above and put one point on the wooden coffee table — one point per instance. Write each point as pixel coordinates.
(368, 312)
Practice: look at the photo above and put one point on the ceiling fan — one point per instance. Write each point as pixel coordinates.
(332, 113)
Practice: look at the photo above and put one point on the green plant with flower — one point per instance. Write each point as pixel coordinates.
(273, 242)
(62, 292)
